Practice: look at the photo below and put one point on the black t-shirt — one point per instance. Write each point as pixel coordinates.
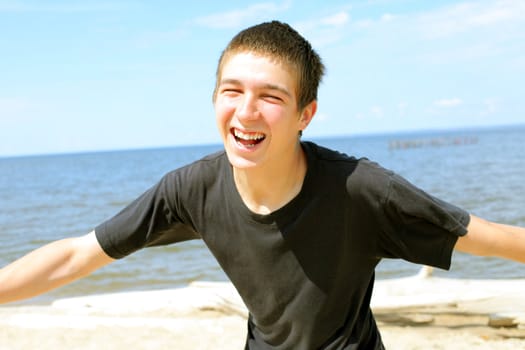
(305, 271)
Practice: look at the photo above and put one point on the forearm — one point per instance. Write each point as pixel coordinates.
(486, 238)
(512, 243)
(49, 267)
(508, 228)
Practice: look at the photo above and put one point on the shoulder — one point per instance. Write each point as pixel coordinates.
(321, 153)
(329, 163)
(360, 174)
(198, 174)
(204, 167)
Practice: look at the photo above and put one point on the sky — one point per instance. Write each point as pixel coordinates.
(80, 76)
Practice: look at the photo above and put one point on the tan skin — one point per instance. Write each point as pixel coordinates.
(257, 97)
(51, 266)
(244, 101)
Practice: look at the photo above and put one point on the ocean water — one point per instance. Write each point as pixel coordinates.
(44, 198)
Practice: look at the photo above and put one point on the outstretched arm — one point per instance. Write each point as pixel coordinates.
(51, 266)
(485, 238)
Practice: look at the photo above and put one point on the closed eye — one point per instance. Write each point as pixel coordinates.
(230, 91)
(272, 98)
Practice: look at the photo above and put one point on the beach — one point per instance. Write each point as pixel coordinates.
(412, 313)
(173, 311)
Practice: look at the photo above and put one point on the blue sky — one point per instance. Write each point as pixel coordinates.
(101, 75)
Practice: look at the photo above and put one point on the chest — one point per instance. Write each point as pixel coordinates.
(304, 256)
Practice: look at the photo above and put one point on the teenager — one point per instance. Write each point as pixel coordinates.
(298, 228)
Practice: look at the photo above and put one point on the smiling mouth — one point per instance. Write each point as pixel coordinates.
(247, 139)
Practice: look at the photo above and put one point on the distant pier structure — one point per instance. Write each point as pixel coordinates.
(432, 142)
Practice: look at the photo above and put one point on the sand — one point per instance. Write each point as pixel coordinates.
(412, 313)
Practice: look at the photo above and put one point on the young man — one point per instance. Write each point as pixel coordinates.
(298, 228)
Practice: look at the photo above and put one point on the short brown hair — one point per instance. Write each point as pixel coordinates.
(280, 41)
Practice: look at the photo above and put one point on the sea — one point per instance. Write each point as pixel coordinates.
(48, 197)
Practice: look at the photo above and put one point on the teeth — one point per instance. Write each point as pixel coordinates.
(250, 136)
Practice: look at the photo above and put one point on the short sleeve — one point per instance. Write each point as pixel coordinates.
(418, 227)
(147, 221)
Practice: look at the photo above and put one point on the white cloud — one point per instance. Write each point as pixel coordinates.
(364, 23)
(58, 7)
(150, 39)
(10, 106)
(490, 106)
(466, 52)
(468, 32)
(402, 108)
(483, 26)
(448, 102)
(321, 117)
(359, 116)
(324, 30)
(336, 20)
(16, 110)
(377, 111)
(463, 17)
(240, 17)
(387, 17)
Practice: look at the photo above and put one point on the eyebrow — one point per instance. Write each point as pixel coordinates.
(264, 86)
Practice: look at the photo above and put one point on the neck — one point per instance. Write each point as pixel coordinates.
(264, 189)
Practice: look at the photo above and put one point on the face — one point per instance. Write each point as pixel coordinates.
(256, 111)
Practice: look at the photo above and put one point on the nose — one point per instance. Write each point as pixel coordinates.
(247, 108)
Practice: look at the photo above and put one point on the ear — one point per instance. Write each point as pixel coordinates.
(307, 114)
